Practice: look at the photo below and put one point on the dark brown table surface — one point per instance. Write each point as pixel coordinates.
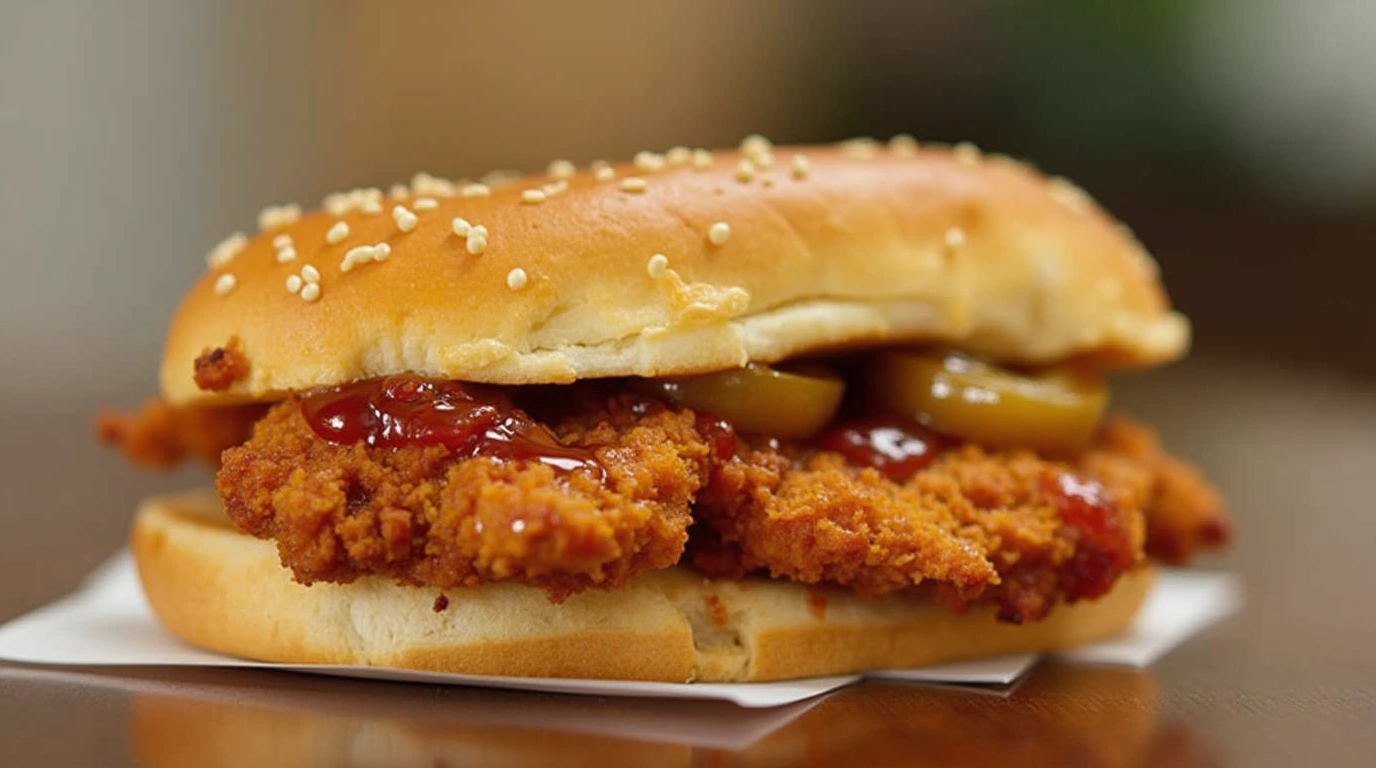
(1290, 681)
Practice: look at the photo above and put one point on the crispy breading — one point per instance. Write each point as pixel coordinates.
(217, 369)
(974, 525)
(160, 435)
(423, 516)
(1184, 512)
(1009, 528)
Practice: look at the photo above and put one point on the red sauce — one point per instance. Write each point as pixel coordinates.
(469, 419)
(1105, 547)
(719, 434)
(896, 448)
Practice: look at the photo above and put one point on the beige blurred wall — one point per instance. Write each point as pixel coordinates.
(134, 135)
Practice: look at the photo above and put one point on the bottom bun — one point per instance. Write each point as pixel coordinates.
(220, 589)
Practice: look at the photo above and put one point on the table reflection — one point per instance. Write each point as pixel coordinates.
(1060, 715)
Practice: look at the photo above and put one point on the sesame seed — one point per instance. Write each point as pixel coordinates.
(966, 153)
(224, 284)
(286, 255)
(801, 165)
(555, 187)
(516, 279)
(475, 190)
(678, 155)
(310, 291)
(337, 203)
(359, 254)
(294, 283)
(718, 233)
(755, 143)
(433, 186)
(479, 230)
(1069, 194)
(903, 144)
(955, 237)
(406, 221)
(702, 159)
(310, 274)
(275, 216)
(862, 148)
(759, 150)
(657, 265)
(398, 190)
(633, 184)
(649, 161)
(561, 169)
(476, 245)
(602, 171)
(461, 227)
(745, 170)
(225, 251)
(281, 241)
(367, 199)
(338, 232)
(424, 204)
(533, 196)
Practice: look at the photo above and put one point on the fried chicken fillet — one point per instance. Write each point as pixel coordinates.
(160, 435)
(1010, 528)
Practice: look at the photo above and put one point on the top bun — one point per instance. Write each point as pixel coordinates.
(676, 264)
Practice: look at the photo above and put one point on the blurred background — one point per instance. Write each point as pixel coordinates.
(1237, 137)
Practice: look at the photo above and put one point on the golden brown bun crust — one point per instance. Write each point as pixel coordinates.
(937, 246)
(219, 589)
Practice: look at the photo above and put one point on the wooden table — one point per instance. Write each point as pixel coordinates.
(1291, 681)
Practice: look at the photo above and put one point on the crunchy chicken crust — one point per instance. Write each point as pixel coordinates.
(160, 436)
(217, 369)
(991, 527)
(1184, 512)
(421, 516)
(976, 526)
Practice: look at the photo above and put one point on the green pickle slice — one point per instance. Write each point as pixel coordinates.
(758, 399)
(1056, 410)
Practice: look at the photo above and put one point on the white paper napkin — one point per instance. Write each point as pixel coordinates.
(108, 622)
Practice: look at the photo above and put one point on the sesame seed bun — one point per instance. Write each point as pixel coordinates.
(223, 590)
(553, 278)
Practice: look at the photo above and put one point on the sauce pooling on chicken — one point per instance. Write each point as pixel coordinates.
(894, 447)
(1105, 548)
(469, 419)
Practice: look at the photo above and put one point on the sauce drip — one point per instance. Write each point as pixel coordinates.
(1105, 547)
(898, 449)
(468, 419)
(719, 434)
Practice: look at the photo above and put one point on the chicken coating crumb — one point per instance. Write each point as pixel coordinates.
(217, 369)
(160, 435)
(1184, 512)
(1008, 528)
(973, 526)
(421, 515)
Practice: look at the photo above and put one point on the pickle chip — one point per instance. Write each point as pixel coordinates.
(758, 399)
(1056, 410)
